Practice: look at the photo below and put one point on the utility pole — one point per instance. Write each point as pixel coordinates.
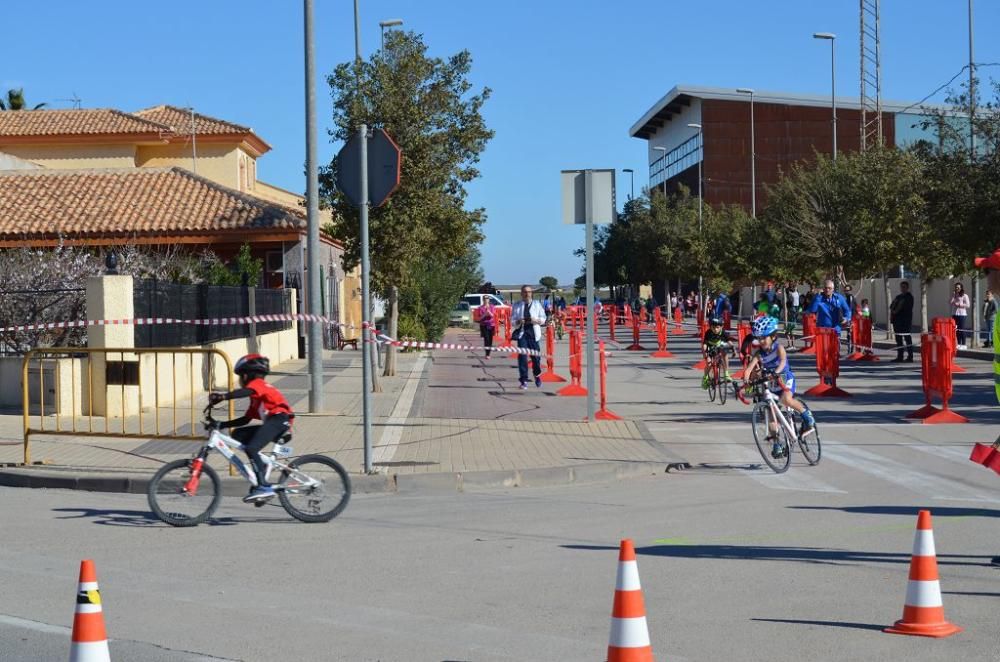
(315, 335)
(194, 144)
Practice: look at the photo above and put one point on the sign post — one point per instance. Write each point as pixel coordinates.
(588, 197)
(368, 171)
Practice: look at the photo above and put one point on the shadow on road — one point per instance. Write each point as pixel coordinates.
(938, 511)
(835, 624)
(143, 518)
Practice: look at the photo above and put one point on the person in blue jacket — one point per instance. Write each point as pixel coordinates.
(722, 304)
(830, 308)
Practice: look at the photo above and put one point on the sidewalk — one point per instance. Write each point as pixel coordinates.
(439, 424)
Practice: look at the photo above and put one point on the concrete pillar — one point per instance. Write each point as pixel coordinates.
(114, 376)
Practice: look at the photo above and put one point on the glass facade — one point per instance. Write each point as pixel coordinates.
(676, 161)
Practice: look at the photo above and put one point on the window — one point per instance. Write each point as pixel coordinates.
(275, 262)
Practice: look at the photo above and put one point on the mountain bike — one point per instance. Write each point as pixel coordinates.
(777, 428)
(311, 488)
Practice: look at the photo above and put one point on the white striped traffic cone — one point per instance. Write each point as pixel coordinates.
(90, 639)
(923, 611)
(629, 640)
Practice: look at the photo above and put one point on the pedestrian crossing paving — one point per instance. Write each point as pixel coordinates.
(932, 471)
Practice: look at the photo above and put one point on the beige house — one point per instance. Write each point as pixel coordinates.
(162, 175)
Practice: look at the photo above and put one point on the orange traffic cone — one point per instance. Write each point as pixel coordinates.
(923, 611)
(629, 641)
(90, 639)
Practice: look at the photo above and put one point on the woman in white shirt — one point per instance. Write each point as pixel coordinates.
(960, 313)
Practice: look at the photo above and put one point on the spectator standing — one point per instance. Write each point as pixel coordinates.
(901, 316)
(960, 313)
(989, 314)
(808, 297)
(866, 310)
(527, 318)
(991, 265)
(673, 301)
(547, 304)
(486, 313)
(794, 303)
(830, 309)
(650, 305)
(722, 305)
(562, 303)
(852, 305)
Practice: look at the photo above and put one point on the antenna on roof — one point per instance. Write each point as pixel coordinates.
(194, 143)
(75, 100)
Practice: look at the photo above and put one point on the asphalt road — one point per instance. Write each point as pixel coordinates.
(736, 564)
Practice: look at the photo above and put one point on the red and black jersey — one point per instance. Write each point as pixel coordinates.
(265, 400)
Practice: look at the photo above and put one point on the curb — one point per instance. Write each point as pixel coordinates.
(69, 479)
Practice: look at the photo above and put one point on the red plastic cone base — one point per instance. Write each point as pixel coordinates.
(662, 354)
(869, 357)
(957, 368)
(740, 374)
(820, 390)
(835, 392)
(677, 330)
(856, 356)
(984, 455)
(635, 347)
(945, 416)
(572, 390)
(923, 412)
(993, 463)
(937, 631)
(700, 365)
(551, 377)
(607, 415)
(808, 350)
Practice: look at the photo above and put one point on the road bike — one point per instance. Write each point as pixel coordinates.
(718, 368)
(776, 428)
(311, 488)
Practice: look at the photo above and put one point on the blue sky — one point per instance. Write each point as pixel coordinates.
(568, 77)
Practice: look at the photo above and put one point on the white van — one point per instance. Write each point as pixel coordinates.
(476, 300)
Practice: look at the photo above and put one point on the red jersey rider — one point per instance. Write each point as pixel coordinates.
(268, 405)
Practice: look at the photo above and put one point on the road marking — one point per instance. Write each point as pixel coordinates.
(796, 478)
(745, 426)
(955, 454)
(387, 445)
(900, 474)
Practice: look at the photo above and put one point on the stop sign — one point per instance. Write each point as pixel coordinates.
(384, 161)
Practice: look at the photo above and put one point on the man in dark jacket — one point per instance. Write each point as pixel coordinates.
(901, 316)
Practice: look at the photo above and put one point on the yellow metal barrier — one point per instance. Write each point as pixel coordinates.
(105, 383)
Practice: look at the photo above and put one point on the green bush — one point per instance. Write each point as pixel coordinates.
(410, 327)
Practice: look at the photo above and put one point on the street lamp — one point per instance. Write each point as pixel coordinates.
(631, 179)
(753, 155)
(700, 201)
(833, 85)
(388, 24)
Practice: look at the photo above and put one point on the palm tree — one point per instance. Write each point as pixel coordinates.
(15, 101)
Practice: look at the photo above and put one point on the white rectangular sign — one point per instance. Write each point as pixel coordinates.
(588, 193)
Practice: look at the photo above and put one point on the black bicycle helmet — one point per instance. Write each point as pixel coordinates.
(253, 364)
(715, 321)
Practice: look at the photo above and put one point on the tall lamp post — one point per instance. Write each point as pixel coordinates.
(701, 146)
(388, 24)
(631, 179)
(753, 156)
(833, 84)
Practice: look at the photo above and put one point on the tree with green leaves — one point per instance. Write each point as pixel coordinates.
(15, 101)
(427, 106)
(549, 282)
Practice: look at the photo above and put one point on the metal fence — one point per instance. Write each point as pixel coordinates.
(153, 298)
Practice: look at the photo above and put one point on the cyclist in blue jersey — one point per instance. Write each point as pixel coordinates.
(771, 357)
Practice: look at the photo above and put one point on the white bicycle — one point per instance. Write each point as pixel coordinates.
(777, 428)
(311, 488)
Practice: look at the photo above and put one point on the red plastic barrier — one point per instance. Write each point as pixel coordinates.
(505, 332)
(742, 331)
(643, 316)
(611, 323)
(828, 365)
(627, 315)
(661, 340)
(946, 328)
(636, 327)
(604, 414)
(936, 369)
(700, 318)
(702, 328)
(550, 360)
(575, 387)
(727, 320)
(678, 321)
(808, 333)
(861, 336)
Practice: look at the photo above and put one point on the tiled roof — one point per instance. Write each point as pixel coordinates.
(90, 121)
(113, 203)
(180, 120)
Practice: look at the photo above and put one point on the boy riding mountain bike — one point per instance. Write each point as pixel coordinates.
(268, 405)
(771, 357)
(716, 340)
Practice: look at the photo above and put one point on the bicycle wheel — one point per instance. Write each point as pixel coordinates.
(811, 445)
(314, 488)
(763, 419)
(723, 384)
(178, 507)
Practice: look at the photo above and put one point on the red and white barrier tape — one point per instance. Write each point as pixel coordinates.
(146, 321)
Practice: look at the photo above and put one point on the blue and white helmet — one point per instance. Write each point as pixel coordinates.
(764, 326)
